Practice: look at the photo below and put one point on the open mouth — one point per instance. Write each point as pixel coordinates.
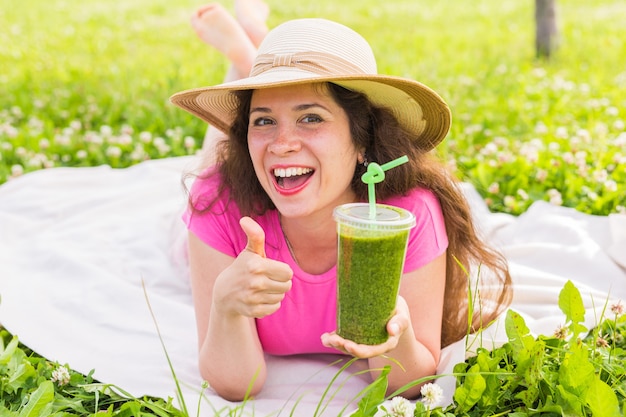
(292, 177)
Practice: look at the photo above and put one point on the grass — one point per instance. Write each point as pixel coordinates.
(86, 83)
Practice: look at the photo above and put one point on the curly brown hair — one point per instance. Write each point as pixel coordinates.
(473, 269)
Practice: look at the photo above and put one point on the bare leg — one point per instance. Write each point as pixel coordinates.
(236, 39)
(218, 28)
(252, 15)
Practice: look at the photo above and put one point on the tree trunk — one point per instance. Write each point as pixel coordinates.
(546, 32)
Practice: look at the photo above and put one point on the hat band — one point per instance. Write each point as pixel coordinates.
(317, 62)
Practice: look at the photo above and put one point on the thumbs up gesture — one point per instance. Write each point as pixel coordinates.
(252, 286)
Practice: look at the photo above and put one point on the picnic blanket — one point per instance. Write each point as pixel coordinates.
(81, 248)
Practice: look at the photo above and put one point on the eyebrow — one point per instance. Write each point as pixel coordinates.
(299, 107)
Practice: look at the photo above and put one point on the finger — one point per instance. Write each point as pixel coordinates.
(255, 234)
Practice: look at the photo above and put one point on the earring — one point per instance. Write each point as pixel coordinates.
(364, 160)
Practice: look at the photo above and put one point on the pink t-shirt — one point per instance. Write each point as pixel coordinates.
(309, 308)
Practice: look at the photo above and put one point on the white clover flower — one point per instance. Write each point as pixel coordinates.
(113, 152)
(555, 197)
(617, 308)
(124, 139)
(494, 188)
(541, 128)
(399, 407)
(601, 175)
(44, 143)
(81, 154)
(145, 137)
(106, 130)
(568, 157)
(561, 132)
(489, 149)
(554, 146)
(62, 140)
(432, 395)
(619, 124)
(509, 201)
(541, 175)
(93, 137)
(610, 185)
(61, 376)
(189, 142)
(10, 130)
(21, 152)
(584, 135)
(618, 158)
(76, 125)
(127, 130)
(601, 129)
(17, 170)
(522, 194)
(620, 140)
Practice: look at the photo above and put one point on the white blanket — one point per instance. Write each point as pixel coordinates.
(77, 243)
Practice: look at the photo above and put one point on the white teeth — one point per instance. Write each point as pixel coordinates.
(291, 172)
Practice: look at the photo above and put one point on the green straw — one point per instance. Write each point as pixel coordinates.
(375, 174)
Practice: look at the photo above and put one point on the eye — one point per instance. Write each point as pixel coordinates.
(311, 118)
(262, 121)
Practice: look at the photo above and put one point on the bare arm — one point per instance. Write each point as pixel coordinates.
(228, 295)
(415, 330)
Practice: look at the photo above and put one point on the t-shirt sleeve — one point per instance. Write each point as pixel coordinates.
(217, 226)
(428, 239)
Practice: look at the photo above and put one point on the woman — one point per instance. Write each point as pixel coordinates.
(262, 239)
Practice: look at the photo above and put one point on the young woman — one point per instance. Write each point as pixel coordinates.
(299, 131)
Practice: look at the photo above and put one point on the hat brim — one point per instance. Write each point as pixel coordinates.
(417, 108)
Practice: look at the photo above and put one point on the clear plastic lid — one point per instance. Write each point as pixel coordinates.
(387, 217)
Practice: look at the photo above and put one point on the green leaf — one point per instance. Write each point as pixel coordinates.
(518, 332)
(570, 403)
(571, 304)
(576, 373)
(7, 352)
(470, 391)
(602, 400)
(368, 405)
(520, 340)
(39, 400)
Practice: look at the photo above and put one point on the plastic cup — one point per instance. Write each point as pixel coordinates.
(370, 261)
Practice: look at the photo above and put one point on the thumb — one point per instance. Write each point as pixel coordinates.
(255, 234)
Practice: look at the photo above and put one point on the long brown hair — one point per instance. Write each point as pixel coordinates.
(472, 267)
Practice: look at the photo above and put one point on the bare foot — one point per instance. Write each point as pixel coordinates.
(252, 15)
(218, 28)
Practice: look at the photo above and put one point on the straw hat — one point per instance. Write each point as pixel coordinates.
(303, 51)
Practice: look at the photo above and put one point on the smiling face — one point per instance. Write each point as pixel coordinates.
(301, 148)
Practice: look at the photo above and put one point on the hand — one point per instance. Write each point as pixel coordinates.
(252, 286)
(396, 326)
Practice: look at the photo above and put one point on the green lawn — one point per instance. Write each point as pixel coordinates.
(87, 83)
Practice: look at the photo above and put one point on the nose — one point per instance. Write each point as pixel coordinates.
(285, 141)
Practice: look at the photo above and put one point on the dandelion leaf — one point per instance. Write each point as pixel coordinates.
(470, 391)
(40, 401)
(576, 373)
(532, 375)
(571, 304)
(601, 400)
(520, 340)
(517, 331)
(6, 352)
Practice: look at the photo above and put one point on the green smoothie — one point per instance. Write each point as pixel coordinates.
(369, 267)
